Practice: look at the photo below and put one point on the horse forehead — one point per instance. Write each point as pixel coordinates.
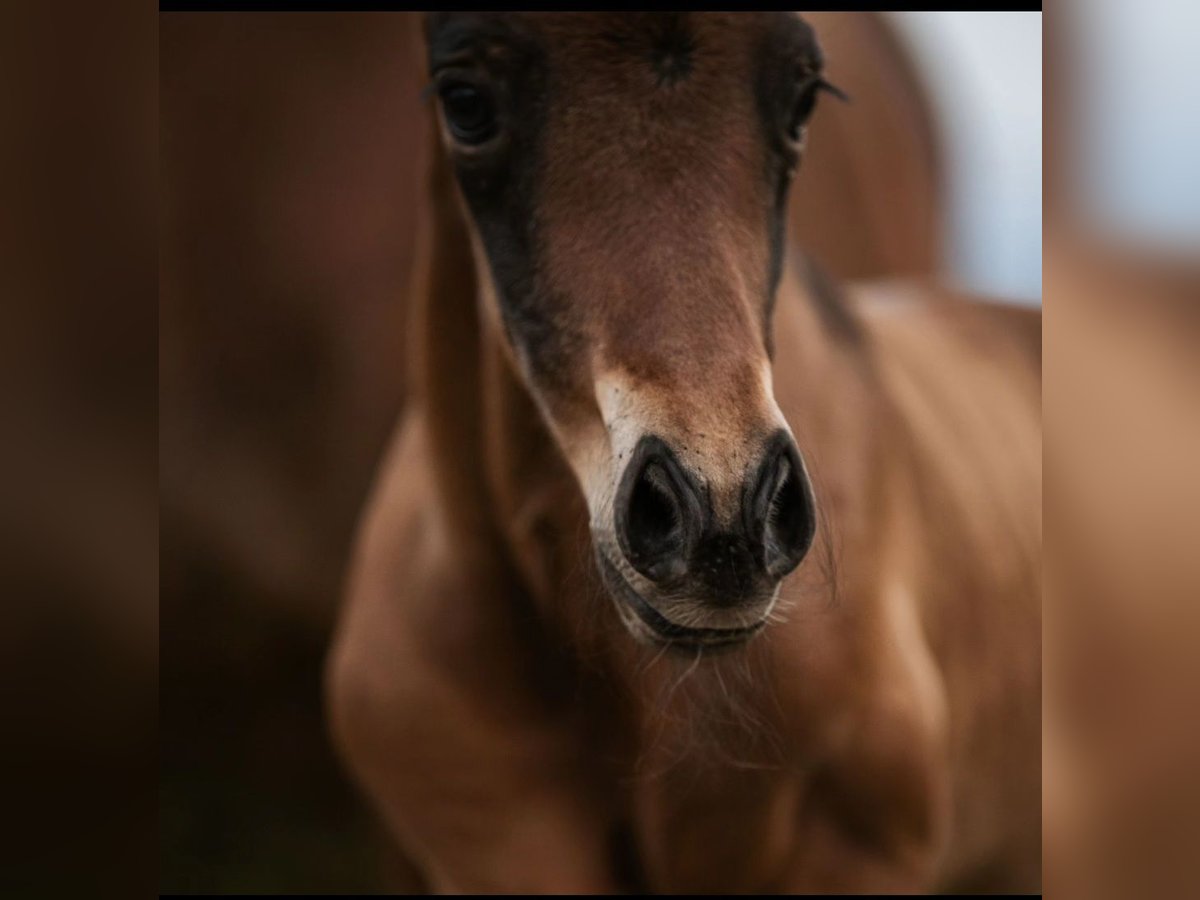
(617, 34)
(651, 186)
(649, 58)
(640, 107)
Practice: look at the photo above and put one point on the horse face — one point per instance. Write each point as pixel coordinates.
(625, 177)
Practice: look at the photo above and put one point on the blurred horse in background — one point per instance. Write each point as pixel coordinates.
(1121, 795)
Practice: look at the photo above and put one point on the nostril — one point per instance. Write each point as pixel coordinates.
(786, 514)
(653, 522)
(785, 510)
(653, 526)
(656, 512)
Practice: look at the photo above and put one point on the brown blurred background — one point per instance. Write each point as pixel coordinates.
(1121, 638)
(78, 580)
(289, 168)
(291, 159)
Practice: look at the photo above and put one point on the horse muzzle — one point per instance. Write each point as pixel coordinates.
(687, 576)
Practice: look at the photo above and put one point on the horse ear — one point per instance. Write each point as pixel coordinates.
(830, 88)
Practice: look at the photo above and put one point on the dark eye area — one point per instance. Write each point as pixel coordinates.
(802, 109)
(806, 102)
(469, 111)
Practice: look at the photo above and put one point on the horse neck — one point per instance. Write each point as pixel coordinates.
(481, 424)
(444, 358)
(495, 469)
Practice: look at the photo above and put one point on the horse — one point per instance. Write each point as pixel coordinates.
(688, 568)
(296, 382)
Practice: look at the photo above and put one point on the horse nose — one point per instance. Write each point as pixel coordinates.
(665, 527)
(779, 511)
(658, 512)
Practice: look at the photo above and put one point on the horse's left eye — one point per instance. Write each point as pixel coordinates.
(802, 109)
(469, 111)
(806, 102)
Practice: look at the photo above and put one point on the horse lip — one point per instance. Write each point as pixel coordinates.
(663, 629)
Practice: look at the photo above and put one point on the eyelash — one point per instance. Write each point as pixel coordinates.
(805, 103)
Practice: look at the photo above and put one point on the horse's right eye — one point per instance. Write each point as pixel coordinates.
(469, 111)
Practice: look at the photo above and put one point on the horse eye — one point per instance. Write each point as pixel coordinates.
(470, 113)
(803, 110)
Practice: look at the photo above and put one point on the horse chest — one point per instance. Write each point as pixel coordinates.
(730, 831)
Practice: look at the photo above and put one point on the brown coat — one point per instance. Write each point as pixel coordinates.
(882, 736)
